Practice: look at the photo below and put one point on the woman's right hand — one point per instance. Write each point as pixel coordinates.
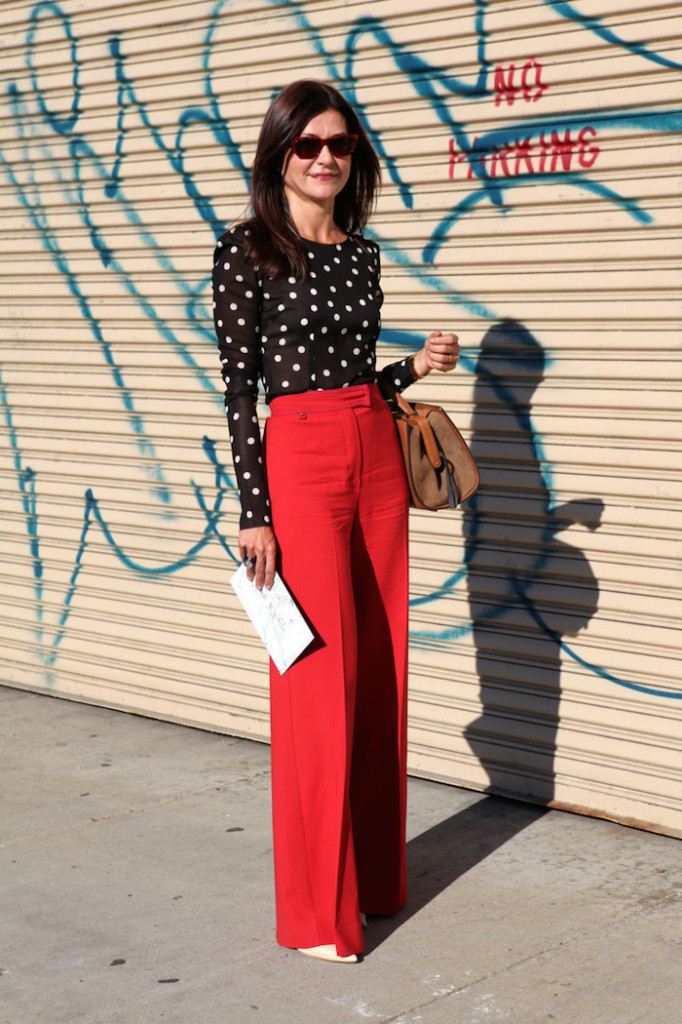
(258, 542)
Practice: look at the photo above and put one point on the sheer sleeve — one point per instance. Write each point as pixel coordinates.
(236, 312)
(398, 375)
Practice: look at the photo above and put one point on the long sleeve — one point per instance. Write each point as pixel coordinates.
(236, 312)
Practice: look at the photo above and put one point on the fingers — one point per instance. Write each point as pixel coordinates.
(442, 351)
(258, 550)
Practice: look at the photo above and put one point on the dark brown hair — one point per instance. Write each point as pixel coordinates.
(273, 242)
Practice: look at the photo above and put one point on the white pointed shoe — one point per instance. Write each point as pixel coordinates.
(329, 953)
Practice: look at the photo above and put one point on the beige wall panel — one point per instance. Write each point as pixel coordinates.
(531, 165)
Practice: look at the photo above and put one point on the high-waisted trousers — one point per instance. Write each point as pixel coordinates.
(338, 715)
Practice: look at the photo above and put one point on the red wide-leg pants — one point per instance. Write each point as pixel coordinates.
(338, 716)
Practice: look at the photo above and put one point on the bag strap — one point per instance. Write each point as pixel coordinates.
(417, 419)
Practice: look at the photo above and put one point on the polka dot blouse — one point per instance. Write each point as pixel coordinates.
(294, 336)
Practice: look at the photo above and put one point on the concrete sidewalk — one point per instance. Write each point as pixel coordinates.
(136, 880)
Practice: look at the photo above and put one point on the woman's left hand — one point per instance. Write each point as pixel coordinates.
(440, 352)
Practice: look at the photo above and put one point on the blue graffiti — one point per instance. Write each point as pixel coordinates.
(52, 134)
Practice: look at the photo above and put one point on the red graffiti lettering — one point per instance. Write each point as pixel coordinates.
(532, 70)
(531, 87)
(583, 159)
(555, 151)
(504, 87)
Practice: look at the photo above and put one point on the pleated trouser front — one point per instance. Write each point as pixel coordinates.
(338, 716)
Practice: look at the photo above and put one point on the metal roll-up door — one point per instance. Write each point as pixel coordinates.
(531, 202)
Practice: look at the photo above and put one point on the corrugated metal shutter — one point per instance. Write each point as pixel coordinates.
(531, 157)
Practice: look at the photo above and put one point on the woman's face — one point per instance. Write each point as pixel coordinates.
(321, 179)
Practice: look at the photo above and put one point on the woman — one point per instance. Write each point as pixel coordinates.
(297, 302)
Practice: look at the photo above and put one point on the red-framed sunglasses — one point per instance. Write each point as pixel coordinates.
(309, 147)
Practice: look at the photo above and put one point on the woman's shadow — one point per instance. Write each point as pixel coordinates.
(527, 590)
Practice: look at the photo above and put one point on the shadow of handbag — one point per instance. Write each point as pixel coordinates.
(440, 469)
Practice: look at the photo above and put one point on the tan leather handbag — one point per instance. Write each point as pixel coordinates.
(440, 469)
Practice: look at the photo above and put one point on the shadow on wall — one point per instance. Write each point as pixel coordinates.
(526, 588)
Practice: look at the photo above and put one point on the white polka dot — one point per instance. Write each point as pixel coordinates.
(327, 267)
(256, 490)
(251, 440)
(282, 341)
(278, 358)
(241, 321)
(313, 291)
(311, 255)
(241, 366)
(249, 295)
(327, 373)
(396, 381)
(344, 362)
(314, 309)
(249, 515)
(266, 518)
(330, 348)
(285, 383)
(219, 323)
(301, 348)
(304, 321)
(292, 295)
(296, 367)
(247, 476)
(221, 287)
(292, 280)
(235, 416)
(238, 277)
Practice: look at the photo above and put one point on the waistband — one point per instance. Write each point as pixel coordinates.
(332, 400)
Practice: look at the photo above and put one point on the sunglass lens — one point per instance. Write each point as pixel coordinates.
(307, 148)
(342, 145)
